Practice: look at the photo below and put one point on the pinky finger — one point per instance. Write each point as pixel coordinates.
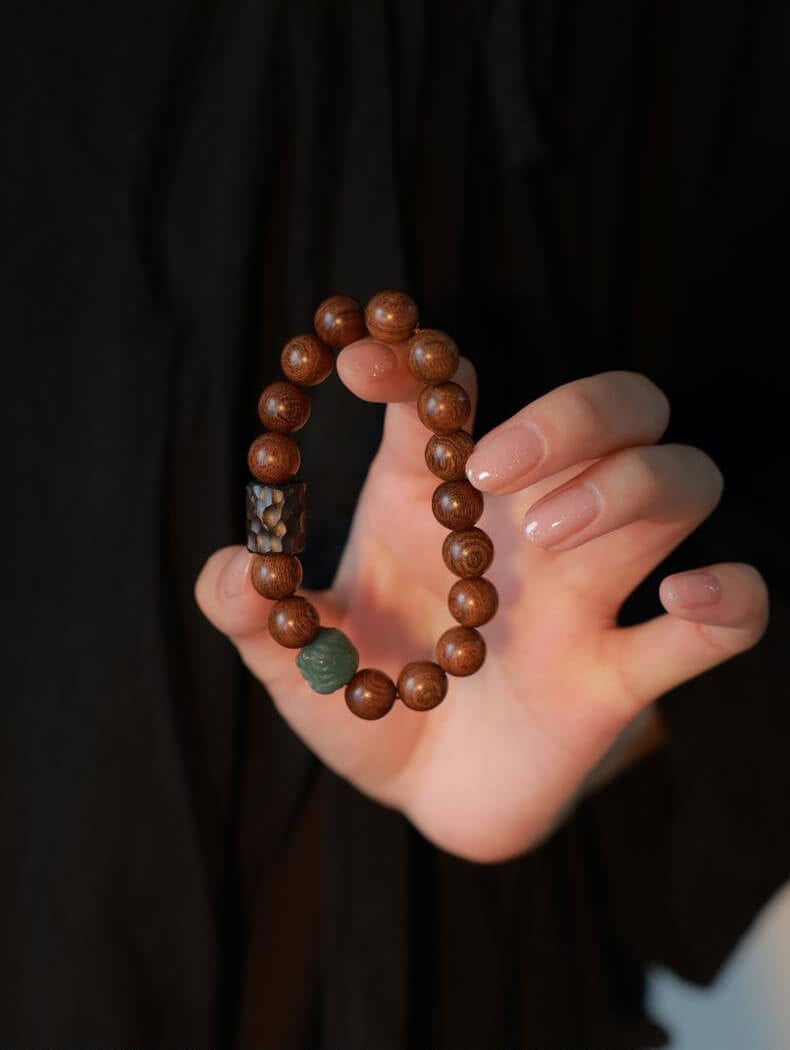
(712, 615)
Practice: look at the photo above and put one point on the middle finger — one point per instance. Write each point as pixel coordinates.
(674, 485)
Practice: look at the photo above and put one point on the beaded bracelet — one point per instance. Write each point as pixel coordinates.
(276, 503)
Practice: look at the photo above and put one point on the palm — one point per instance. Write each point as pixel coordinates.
(512, 742)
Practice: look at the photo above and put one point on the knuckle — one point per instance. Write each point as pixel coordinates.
(729, 641)
(645, 400)
(648, 471)
(584, 408)
(684, 471)
(749, 624)
(640, 385)
(705, 475)
(608, 399)
(759, 627)
(761, 604)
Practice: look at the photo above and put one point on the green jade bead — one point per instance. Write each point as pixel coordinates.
(329, 662)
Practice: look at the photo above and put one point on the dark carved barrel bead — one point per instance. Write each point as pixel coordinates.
(461, 651)
(275, 518)
(473, 602)
(273, 457)
(422, 685)
(457, 504)
(444, 407)
(283, 406)
(370, 693)
(468, 552)
(391, 316)
(276, 576)
(294, 622)
(340, 320)
(306, 360)
(433, 356)
(446, 454)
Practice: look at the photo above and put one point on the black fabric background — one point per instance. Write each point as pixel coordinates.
(568, 186)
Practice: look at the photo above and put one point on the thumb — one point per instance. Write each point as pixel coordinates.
(226, 597)
(377, 371)
(362, 751)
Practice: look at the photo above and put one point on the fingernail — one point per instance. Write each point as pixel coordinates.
(505, 458)
(557, 517)
(234, 575)
(370, 360)
(693, 588)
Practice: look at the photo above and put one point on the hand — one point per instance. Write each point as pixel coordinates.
(487, 773)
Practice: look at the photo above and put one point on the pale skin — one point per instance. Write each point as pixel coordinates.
(566, 698)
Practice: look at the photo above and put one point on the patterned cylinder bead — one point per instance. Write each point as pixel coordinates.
(275, 517)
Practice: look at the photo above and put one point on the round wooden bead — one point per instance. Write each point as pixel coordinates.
(370, 693)
(444, 407)
(294, 622)
(422, 685)
(446, 454)
(473, 602)
(468, 552)
(306, 360)
(273, 457)
(433, 356)
(461, 651)
(276, 576)
(391, 316)
(457, 504)
(340, 320)
(283, 406)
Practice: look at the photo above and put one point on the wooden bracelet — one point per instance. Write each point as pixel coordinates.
(276, 505)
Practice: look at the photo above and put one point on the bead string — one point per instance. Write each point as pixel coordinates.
(275, 507)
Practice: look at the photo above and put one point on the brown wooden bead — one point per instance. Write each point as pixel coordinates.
(461, 651)
(433, 356)
(468, 552)
(276, 576)
(446, 454)
(391, 316)
(294, 622)
(422, 685)
(283, 406)
(444, 407)
(370, 693)
(273, 457)
(473, 602)
(306, 360)
(340, 320)
(457, 504)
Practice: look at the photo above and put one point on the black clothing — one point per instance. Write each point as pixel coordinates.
(572, 186)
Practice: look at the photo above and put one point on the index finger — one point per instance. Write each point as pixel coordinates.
(378, 371)
(579, 421)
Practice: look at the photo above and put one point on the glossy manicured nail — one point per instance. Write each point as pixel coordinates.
(234, 575)
(505, 458)
(691, 589)
(369, 360)
(558, 517)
